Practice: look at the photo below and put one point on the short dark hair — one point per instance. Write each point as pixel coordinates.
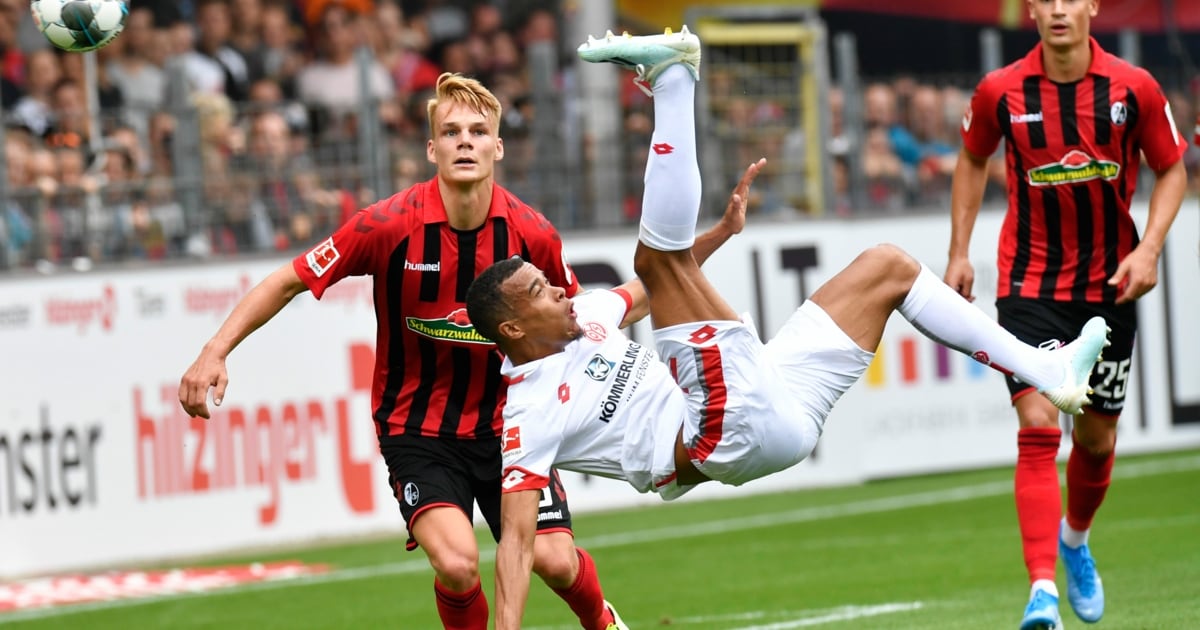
(486, 304)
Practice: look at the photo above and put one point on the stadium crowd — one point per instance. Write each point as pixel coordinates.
(249, 110)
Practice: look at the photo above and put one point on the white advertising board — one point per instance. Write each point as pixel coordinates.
(99, 466)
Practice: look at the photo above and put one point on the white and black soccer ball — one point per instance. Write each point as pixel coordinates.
(79, 25)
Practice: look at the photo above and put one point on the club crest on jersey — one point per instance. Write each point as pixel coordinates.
(598, 368)
(1074, 167)
(322, 257)
(595, 332)
(455, 326)
(1119, 113)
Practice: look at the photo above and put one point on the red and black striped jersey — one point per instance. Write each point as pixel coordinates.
(434, 375)
(1072, 152)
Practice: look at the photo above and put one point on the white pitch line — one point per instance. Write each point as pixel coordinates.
(662, 534)
(847, 613)
(795, 618)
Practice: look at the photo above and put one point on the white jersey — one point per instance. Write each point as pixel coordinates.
(605, 406)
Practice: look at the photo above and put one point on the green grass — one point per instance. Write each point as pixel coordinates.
(936, 551)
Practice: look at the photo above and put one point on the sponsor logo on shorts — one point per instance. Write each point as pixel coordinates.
(411, 494)
(510, 442)
(550, 515)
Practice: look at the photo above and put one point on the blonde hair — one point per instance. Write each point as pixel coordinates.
(455, 88)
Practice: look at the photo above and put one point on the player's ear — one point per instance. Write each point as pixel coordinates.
(1095, 8)
(429, 152)
(499, 148)
(510, 329)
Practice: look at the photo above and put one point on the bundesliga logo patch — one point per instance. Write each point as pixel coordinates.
(322, 257)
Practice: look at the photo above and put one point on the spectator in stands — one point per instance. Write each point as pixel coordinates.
(330, 84)
(12, 56)
(34, 110)
(16, 226)
(886, 176)
(70, 125)
(278, 54)
(142, 83)
(214, 65)
(245, 34)
(880, 112)
(287, 183)
(934, 156)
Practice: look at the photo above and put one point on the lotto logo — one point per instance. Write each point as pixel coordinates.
(513, 479)
(703, 334)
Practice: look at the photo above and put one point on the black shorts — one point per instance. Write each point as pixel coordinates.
(426, 472)
(1048, 324)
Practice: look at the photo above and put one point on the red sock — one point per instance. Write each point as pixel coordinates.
(1088, 476)
(1039, 499)
(462, 611)
(585, 597)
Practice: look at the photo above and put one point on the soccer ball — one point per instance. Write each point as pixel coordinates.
(79, 25)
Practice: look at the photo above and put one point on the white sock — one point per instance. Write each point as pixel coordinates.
(944, 316)
(1043, 585)
(671, 201)
(1072, 537)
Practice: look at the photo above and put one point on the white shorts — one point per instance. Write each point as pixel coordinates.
(757, 409)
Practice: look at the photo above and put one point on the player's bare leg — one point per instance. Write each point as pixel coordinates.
(448, 539)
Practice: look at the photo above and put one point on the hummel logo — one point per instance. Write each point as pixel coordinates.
(1025, 118)
(662, 148)
(410, 266)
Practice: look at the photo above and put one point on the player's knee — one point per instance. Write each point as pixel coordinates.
(1096, 435)
(893, 261)
(649, 262)
(457, 572)
(556, 564)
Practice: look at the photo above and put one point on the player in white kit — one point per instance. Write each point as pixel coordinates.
(719, 404)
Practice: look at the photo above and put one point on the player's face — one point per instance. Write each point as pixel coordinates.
(466, 144)
(1063, 23)
(544, 312)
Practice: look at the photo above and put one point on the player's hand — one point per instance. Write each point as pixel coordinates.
(960, 275)
(1136, 275)
(208, 371)
(735, 210)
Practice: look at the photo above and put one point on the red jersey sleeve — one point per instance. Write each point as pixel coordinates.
(1161, 142)
(351, 251)
(980, 129)
(547, 253)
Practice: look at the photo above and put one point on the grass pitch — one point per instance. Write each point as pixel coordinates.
(936, 551)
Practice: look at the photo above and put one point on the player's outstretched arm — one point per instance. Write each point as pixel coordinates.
(1137, 274)
(514, 555)
(261, 304)
(966, 196)
(731, 223)
(734, 219)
